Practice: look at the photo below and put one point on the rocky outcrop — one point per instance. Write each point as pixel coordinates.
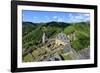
(84, 53)
(54, 45)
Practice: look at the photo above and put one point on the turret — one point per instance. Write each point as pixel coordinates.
(43, 37)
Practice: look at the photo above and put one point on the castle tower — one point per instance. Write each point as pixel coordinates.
(43, 38)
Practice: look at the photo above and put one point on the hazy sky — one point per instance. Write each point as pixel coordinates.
(45, 16)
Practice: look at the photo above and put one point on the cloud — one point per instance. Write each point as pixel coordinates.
(46, 16)
(55, 17)
(60, 20)
(87, 15)
(71, 16)
(79, 17)
(35, 17)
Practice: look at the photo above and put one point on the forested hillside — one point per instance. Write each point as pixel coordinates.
(32, 32)
(77, 33)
